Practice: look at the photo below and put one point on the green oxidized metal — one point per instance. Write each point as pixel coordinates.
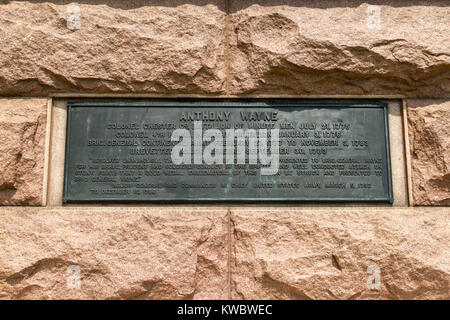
(120, 151)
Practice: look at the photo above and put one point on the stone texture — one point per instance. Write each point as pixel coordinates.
(22, 150)
(429, 134)
(179, 252)
(121, 47)
(122, 253)
(325, 47)
(282, 253)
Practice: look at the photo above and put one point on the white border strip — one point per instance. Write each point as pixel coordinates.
(48, 138)
(407, 152)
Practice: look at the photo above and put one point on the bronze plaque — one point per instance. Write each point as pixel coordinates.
(327, 151)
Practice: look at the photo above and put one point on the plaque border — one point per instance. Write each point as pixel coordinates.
(231, 103)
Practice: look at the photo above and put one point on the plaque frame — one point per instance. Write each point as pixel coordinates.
(232, 103)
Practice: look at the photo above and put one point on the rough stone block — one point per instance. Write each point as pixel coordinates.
(332, 253)
(340, 48)
(121, 253)
(429, 134)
